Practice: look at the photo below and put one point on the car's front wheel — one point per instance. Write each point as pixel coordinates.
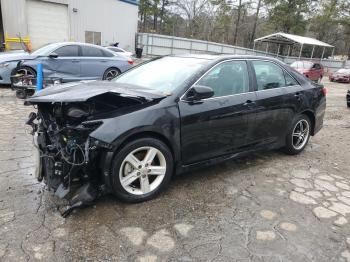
(141, 170)
(298, 136)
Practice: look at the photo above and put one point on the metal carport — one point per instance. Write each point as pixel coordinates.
(290, 40)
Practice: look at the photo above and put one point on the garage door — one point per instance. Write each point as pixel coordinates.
(47, 22)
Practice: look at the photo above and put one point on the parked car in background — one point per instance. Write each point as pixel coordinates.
(348, 98)
(341, 76)
(131, 134)
(120, 51)
(312, 70)
(66, 61)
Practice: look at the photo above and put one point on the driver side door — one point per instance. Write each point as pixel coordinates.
(219, 125)
(67, 64)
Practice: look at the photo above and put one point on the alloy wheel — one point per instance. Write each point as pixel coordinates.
(143, 170)
(111, 73)
(300, 134)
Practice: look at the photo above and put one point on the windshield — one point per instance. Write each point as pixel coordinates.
(301, 64)
(343, 71)
(164, 74)
(44, 50)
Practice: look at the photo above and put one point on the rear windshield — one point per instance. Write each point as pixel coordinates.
(302, 64)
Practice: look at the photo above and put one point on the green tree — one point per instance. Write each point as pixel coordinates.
(288, 16)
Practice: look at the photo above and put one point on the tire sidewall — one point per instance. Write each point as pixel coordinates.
(289, 140)
(118, 189)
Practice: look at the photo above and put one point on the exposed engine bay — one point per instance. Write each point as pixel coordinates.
(69, 158)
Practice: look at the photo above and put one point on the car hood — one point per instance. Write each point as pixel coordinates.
(15, 57)
(84, 90)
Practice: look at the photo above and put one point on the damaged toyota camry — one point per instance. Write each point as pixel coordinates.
(167, 116)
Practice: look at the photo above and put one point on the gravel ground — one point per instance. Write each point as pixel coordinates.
(267, 207)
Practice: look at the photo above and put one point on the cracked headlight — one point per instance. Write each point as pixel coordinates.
(3, 65)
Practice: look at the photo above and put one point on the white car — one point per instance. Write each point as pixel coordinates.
(119, 50)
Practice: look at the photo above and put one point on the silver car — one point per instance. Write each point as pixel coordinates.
(66, 61)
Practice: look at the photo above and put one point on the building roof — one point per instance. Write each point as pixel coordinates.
(289, 39)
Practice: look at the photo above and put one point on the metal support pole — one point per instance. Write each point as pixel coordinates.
(278, 50)
(254, 46)
(267, 47)
(312, 53)
(288, 51)
(172, 46)
(301, 50)
(323, 53)
(333, 53)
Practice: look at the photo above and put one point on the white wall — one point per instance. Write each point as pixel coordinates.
(116, 20)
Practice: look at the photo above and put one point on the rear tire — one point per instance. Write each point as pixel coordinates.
(299, 135)
(111, 73)
(141, 170)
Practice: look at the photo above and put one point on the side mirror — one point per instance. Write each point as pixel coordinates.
(53, 55)
(197, 93)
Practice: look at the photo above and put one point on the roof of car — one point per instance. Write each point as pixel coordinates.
(224, 57)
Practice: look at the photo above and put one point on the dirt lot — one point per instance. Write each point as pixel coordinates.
(268, 207)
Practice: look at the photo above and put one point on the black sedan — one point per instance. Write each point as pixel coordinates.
(167, 116)
(348, 98)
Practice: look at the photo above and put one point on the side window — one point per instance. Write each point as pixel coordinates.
(227, 78)
(290, 81)
(89, 51)
(317, 66)
(268, 75)
(107, 53)
(69, 50)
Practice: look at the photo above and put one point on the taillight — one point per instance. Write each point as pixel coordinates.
(324, 91)
(130, 62)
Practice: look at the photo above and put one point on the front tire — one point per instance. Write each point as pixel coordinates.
(299, 135)
(141, 170)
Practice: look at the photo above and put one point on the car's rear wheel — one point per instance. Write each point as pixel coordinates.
(298, 136)
(141, 170)
(111, 73)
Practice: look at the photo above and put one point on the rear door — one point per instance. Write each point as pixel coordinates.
(94, 62)
(278, 96)
(219, 125)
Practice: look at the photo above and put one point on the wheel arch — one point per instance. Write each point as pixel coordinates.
(23, 66)
(148, 134)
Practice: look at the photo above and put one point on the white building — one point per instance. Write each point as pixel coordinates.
(99, 22)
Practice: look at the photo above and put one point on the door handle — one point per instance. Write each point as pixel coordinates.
(297, 95)
(75, 61)
(103, 61)
(249, 103)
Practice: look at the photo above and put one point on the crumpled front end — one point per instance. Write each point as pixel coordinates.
(68, 156)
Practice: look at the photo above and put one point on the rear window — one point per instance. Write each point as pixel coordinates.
(89, 51)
